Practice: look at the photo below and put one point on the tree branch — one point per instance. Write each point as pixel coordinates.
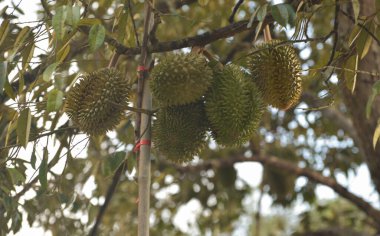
(291, 168)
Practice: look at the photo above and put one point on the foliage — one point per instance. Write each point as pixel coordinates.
(53, 175)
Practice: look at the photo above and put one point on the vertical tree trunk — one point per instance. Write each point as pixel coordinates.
(356, 102)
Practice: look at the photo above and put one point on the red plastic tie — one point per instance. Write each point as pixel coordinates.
(139, 144)
(141, 68)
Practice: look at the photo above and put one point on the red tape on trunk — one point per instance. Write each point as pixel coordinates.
(139, 144)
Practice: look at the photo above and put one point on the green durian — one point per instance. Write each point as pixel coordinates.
(179, 131)
(233, 106)
(180, 79)
(277, 73)
(96, 104)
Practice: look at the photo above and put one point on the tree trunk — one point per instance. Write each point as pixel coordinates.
(356, 102)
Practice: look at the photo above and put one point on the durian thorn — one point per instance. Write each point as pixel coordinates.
(134, 109)
(267, 34)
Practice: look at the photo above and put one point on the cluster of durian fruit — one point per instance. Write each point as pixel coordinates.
(195, 97)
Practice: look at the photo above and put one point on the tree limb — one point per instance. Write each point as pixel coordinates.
(291, 168)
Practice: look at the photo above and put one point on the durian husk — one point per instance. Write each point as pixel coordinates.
(233, 106)
(277, 72)
(180, 79)
(97, 102)
(179, 132)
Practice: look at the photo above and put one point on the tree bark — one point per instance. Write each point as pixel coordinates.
(356, 102)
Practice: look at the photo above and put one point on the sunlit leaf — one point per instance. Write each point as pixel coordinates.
(27, 55)
(54, 100)
(89, 22)
(96, 36)
(73, 15)
(33, 157)
(350, 74)
(23, 127)
(376, 134)
(354, 35)
(364, 41)
(48, 73)
(63, 52)
(4, 29)
(115, 160)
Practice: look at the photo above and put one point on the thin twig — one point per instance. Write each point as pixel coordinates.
(236, 8)
(133, 23)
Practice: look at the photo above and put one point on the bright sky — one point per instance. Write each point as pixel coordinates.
(358, 183)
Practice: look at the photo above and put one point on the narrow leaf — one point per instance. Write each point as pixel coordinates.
(280, 14)
(356, 8)
(23, 127)
(261, 14)
(54, 101)
(42, 174)
(371, 99)
(253, 16)
(58, 22)
(9, 90)
(27, 55)
(96, 36)
(3, 75)
(89, 22)
(33, 158)
(116, 160)
(17, 177)
(350, 74)
(63, 52)
(376, 134)
(4, 29)
(364, 41)
(46, 76)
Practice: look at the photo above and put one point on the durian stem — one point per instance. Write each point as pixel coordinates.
(143, 123)
(267, 34)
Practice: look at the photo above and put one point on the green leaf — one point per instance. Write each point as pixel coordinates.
(371, 99)
(9, 90)
(73, 15)
(116, 160)
(33, 158)
(96, 36)
(262, 12)
(27, 55)
(292, 15)
(4, 29)
(46, 76)
(280, 14)
(42, 174)
(23, 127)
(89, 22)
(376, 134)
(54, 100)
(364, 41)
(17, 177)
(350, 74)
(354, 35)
(356, 8)
(3, 75)
(21, 37)
(58, 22)
(63, 52)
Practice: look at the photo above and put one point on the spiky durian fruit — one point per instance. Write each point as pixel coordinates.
(277, 73)
(97, 102)
(179, 131)
(233, 106)
(180, 79)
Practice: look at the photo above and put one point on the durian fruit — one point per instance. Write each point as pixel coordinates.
(180, 79)
(233, 106)
(179, 131)
(277, 73)
(96, 104)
